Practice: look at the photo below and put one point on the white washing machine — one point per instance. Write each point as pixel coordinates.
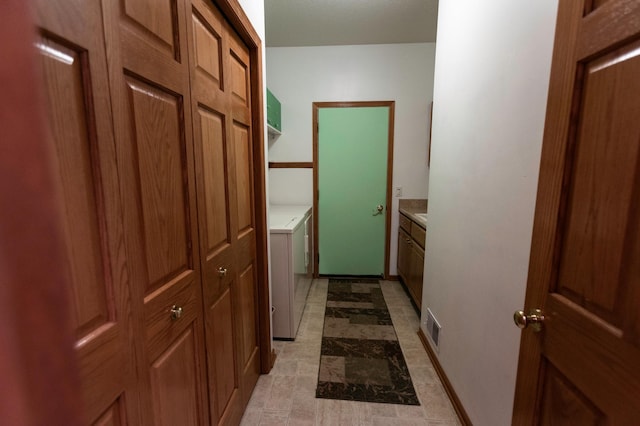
(291, 246)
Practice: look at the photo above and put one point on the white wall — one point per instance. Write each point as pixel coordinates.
(491, 81)
(299, 76)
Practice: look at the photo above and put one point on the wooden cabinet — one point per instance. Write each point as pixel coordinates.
(150, 110)
(411, 241)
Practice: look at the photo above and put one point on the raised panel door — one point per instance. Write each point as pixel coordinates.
(585, 260)
(223, 149)
(215, 182)
(71, 51)
(244, 230)
(417, 273)
(173, 374)
(404, 255)
(149, 74)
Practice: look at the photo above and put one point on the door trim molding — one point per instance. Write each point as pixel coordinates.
(314, 129)
(239, 21)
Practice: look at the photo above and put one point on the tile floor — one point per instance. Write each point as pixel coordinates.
(286, 396)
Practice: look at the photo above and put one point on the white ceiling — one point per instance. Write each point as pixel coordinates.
(343, 22)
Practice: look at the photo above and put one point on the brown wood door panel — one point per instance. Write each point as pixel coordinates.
(249, 331)
(584, 367)
(224, 390)
(150, 88)
(564, 404)
(175, 382)
(158, 131)
(113, 416)
(244, 178)
(216, 179)
(207, 46)
(69, 124)
(156, 22)
(224, 172)
(71, 49)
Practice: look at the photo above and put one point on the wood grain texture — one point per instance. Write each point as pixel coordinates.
(158, 132)
(584, 261)
(156, 18)
(215, 177)
(146, 42)
(457, 404)
(114, 415)
(244, 187)
(563, 404)
(69, 120)
(404, 255)
(174, 383)
(416, 274)
(72, 51)
(610, 25)
(31, 209)
(559, 111)
(207, 50)
(215, 180)
(151, 96)
(290, 165)
(604, 172)
(221, 327)
(225, 177)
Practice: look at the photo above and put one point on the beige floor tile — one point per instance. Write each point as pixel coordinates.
(273, 419)
(251, 417)
(261, 392)
(304, 410)
(334, 413)
(435, 402)
(287, 395)
(286, 367)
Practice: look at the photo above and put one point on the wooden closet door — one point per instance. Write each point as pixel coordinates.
(243, 208)
(149, 75)
(71, 49)
(221, 120)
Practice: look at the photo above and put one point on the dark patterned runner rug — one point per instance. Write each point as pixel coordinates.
(361, 359)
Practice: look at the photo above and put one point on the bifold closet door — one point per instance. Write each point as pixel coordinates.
(223, 147)
(149, 75)
(71, 48)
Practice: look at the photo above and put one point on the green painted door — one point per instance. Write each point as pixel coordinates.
(352, 182)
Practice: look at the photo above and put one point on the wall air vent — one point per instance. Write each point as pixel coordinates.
(433, 328)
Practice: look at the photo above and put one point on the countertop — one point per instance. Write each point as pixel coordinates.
(409, 207)
(411, 214)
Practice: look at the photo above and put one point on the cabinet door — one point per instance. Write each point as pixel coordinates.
(149, 76)
(404, 255)
(71, 49)
(417, 274)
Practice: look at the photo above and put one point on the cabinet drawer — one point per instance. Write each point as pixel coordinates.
(418, 234)
(405, 223)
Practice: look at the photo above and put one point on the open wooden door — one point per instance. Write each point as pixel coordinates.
(583, 367)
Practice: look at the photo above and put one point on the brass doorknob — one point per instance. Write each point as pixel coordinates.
(176, 312)
(222, 272)
(534, 319)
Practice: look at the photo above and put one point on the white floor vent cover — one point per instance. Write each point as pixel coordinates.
(433, 328)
